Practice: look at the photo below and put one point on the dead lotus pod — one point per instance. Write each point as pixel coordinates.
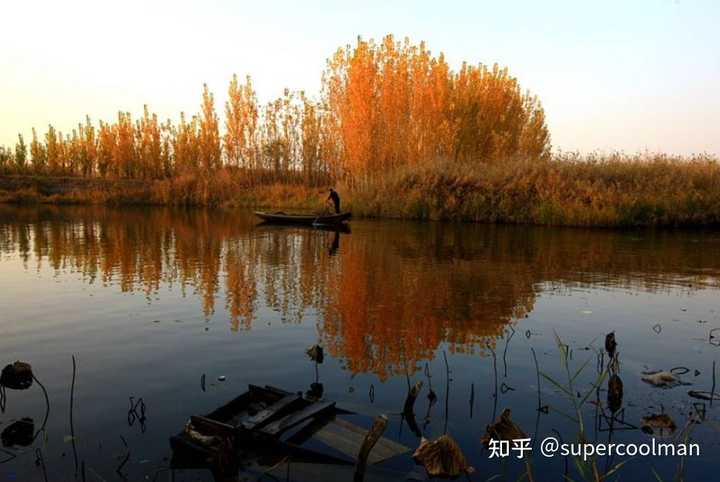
(503, 429)
(442, 458)
(18, 376)
(315, 353)
(615, 393)
(610, 343)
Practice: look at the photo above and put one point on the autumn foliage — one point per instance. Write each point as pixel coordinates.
(395, 104)
(382, 106)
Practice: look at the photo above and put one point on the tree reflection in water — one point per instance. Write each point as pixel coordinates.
(386, 295)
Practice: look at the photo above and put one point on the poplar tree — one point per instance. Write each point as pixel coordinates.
(20, 154)
(209, 136)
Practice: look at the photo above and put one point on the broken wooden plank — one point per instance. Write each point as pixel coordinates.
(347, 438)
(279, 426)
(373, 435)
(276, 409)
(277, 391)
(310, 472)
(208, 426)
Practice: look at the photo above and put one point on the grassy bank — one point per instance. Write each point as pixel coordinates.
(590, 191)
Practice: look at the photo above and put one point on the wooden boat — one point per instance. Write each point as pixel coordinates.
(310, 219)
(266, 424)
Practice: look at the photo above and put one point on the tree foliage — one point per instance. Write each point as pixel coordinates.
(382, 106)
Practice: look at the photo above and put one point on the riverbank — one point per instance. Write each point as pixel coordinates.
(615, 191)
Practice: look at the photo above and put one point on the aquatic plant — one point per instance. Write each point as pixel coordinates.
(587, 468)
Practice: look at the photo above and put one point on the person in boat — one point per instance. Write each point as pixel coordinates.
(335, 198)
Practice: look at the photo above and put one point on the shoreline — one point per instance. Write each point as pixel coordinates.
(603, 194)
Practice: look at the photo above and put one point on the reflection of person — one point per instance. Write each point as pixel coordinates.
(335, 198)
(335, 244)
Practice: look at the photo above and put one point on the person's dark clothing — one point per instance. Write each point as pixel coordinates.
(336, 200)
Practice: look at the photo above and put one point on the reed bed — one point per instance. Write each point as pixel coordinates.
(571, 190)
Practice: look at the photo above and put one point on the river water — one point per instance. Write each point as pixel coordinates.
(151, 301)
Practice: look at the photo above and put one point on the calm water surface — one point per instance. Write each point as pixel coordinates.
(150, 300)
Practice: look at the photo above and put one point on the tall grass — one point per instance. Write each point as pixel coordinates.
(615, 190)
(573, 190)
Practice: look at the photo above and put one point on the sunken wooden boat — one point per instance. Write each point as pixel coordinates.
(265, 425)
(307, 219)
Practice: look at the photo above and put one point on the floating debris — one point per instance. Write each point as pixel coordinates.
(222, 378)
(209, 441)
(503, 429)
(704, 395)
(714, 339)
(315, 353)
(260, 418)
(662, 379)
(442, 458)
(18, 376)
(19, 433)
(658, 424)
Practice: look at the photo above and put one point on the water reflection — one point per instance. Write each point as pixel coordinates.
(386, 295)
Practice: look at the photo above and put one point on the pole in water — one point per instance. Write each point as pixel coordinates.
(472, 398)
(72, 425)
(712, 390)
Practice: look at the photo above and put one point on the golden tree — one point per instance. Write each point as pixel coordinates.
(149, 148)
(105, 149)
(241, 124)
(123, 163)
(395, 104)
(210, 148)
(88, 158)
(20, 154)
(186, 144)
(53, 150)
(38, 154)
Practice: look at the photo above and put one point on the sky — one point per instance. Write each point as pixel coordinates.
(641, 75)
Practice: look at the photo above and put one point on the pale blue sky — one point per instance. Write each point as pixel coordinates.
(626, 75)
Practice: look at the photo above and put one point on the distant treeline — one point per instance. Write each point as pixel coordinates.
(399, 132)
(382, 106)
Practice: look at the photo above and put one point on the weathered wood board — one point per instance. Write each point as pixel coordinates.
(347, 438)
(263, 416)
(314, 410)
